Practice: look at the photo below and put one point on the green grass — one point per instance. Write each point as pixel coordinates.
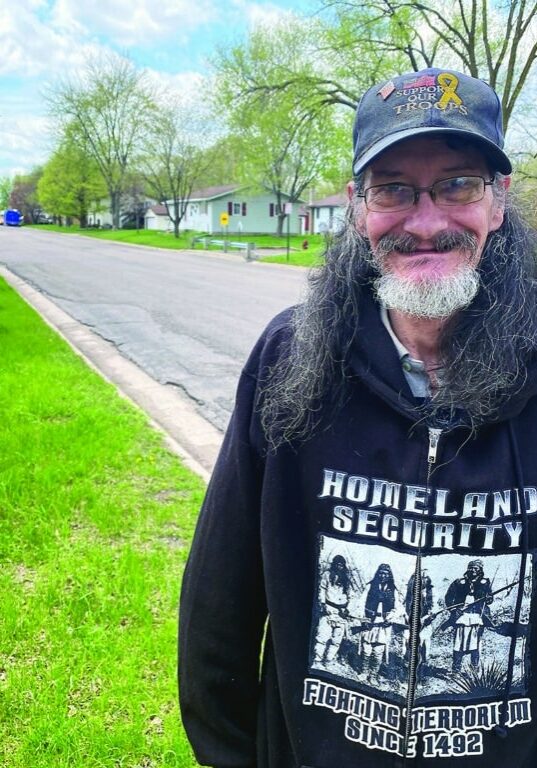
(137, 237)
(298, 256)
(95, 521)
(301, 259)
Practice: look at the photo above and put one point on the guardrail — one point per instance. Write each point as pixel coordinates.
(248, 248)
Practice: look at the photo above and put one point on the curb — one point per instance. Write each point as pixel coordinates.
(195, 440)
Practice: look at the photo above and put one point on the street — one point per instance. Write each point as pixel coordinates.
(188, 319)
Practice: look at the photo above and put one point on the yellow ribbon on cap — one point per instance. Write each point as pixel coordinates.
(448, 83)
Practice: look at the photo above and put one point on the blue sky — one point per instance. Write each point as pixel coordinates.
(44, 40)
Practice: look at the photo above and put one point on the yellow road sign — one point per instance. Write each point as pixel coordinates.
(224, 219)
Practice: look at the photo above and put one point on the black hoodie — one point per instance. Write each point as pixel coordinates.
(382, 567)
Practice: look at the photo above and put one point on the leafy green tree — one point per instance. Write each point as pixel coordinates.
(5, 191)
(72, 184)
(352, 44)
(223, 162)
(490, 40)
(107, 111)
(286, 138)
(23, 194)
(175, 156)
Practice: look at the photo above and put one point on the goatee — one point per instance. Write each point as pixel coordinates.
(435, 296)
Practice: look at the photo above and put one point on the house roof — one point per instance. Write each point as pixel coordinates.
(159, 210)
(211, 192)
(332, 201)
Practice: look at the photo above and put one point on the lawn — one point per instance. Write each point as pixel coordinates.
(134, 236)
(95, 521)
(298, 255)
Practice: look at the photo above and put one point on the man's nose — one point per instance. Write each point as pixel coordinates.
(425, 219)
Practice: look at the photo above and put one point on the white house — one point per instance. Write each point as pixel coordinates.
(157, 219)
(102, 216)
(327, 214)
(248, 211)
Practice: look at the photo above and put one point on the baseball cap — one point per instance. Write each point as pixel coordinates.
(432, 101)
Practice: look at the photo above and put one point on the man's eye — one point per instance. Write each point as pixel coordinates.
(389, 192)
(459, 182)
(459, 187)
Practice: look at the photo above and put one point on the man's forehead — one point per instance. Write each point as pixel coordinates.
(437, 153)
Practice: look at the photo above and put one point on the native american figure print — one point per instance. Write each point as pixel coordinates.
(361, 620)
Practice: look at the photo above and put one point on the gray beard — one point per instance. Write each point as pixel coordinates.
(433, 297)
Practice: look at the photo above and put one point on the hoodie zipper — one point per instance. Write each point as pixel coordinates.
(415, 613)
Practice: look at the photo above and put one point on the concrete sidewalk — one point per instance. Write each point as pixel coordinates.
(187, 433)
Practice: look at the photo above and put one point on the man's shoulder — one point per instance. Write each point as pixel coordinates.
(280, 323)
(272, 342)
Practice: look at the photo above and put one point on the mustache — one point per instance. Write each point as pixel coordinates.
(442, 242)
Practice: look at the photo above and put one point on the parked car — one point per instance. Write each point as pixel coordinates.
(44, 218)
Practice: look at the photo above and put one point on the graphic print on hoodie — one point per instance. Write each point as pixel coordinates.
(362, 641)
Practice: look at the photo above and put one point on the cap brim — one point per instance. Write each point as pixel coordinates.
(499, 158)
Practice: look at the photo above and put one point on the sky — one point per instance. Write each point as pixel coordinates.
(43, 41)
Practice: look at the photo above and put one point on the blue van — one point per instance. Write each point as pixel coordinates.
(13, 218)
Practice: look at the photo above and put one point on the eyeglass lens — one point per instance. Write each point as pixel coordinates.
(459, 190)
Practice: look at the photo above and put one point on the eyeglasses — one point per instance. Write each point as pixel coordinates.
(460, 190)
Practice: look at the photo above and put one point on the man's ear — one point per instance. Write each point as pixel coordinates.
(359, 220)
(499, 206)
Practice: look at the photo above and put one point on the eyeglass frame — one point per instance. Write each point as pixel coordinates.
(430, 190)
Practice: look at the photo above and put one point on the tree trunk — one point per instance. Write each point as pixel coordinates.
(114, 208)
(176, 219)
(281, 220)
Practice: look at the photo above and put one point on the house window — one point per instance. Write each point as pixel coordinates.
(271, 209)
(244, 209)
(230, 208)
(237, 209)
(317, 213)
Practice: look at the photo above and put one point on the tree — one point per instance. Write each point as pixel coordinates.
(134, 202)
(108, 111)
(356, 43)
(5, 191)
(286, 143)
(23, 195)
(315, 59)
(71, 184)
(492, 41)
(223, 162)
(175, 156)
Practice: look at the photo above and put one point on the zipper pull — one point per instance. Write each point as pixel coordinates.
(434, 438)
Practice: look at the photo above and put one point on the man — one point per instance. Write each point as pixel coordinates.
(468, 600)
(426, 617)
(335, 589)
(379, 610)
(394, 413)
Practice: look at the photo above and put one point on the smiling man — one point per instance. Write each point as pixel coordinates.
(388, 424)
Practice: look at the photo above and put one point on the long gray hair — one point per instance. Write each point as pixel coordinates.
(484, 349)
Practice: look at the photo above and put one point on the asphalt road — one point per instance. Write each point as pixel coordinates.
(188, 319)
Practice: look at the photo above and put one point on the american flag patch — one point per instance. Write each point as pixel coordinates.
(422, 82)
(386, 90)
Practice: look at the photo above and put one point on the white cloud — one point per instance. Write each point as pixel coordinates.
(25, 143)
(261, 14)
(44, 40)
(188, 86)
(128, 24)
(31, 46)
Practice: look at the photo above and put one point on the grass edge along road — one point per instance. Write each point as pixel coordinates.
(96, 517)
(298, 257)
